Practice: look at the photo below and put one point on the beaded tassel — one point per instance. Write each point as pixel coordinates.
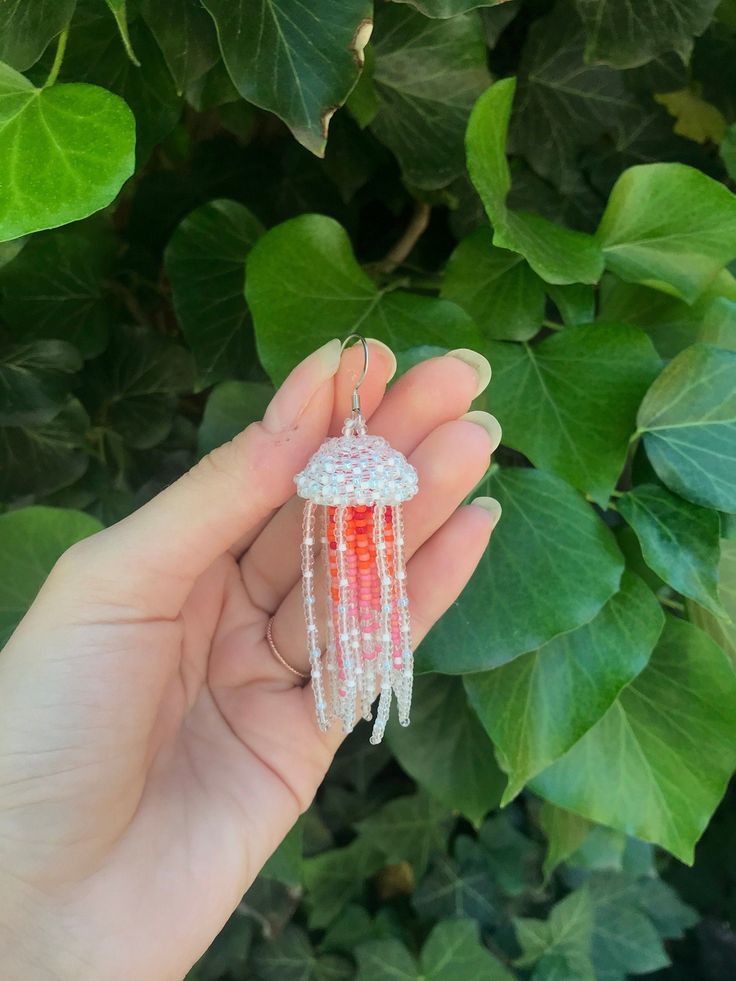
(360, 482)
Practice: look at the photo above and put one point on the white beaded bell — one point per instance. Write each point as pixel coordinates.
(354, 487)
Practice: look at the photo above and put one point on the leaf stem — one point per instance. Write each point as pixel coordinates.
(672, 604)
(552, 324)
(414, 231)
(58, 58)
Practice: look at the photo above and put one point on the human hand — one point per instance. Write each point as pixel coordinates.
(153, 751)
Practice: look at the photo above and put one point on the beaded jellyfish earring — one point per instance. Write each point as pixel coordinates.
(354, 487)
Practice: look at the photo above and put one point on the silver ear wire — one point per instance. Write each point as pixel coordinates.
(364, 342)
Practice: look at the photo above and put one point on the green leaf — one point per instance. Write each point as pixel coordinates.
(452, 950)
(540, 704)
(65, 152)
(569, 403)
(728, 151)
(679, 541)
(459, 886)
(722, 632)
(335, 877)
(291, 957)
(286, 58)
(40, 459)
(31, 540)
(624, 938)
(448, 8)
(35, 378)
(205, 261)
(131, 389)
(668, 226)
(560, 947)
(56, 288)
(548, 535)
(575, 302)
(563, 104)
(446, 750)
(27, 26)
(186, 37)
(285, 864)
(512, 857)
(497, 288)
(557, 254)
(230, 408)
(426, 77)
(118, 8)
(94, 54)
(408, 829)
(688, 418)
(625, 33)
(565, 832)
(672, 733)
(327, 294)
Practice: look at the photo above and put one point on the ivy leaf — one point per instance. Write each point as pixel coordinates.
(669, 226)
(55, 288)
(448, 8)
(291, 957)
(722, 632)
(679, 541)
(565, 832)
(624, 938)
(557, 254)
(94, 54)
(285, 864)
(205, 261)
(131, 389)
(426, 77)
(31, 540)
(570, 402)
(230, 408)
(27, 26)
(336, 876)
(540, 704)
(548, 535)
(118, 8)
(627, 34)
(560, 946)
(728, 151)
(408, 829)
(575, 302)
(512, 857)
(688, 418)
(35, 378)
(84, 137)
(563, 104)
(672, 733)
(446, 750)
(284, 57)
(328, 295)
(459, 886)
(186, 37)
(453, 949)
(696, 119)
(40, 459)
(497, 288)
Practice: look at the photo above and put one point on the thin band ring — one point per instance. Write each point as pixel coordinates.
(274, 651)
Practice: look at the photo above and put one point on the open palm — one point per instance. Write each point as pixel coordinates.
(153, 752)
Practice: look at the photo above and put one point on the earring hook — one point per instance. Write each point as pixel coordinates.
(364, 342)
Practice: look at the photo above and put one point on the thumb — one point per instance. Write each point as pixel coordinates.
(150, 560)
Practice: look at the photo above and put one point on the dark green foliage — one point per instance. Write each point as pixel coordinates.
(547, 182)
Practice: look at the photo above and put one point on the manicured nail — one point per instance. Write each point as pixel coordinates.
(491, 505)
(488, 422)
(478, 363)
(389, 354)
(296, 393)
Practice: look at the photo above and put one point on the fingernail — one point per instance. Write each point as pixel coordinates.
(477, 362)
(389, 354)
(488, 422)
(296, 392)
(491, 505)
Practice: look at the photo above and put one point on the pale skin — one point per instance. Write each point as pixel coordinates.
(153, 752)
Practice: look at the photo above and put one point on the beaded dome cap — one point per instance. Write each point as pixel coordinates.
(357, 469)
